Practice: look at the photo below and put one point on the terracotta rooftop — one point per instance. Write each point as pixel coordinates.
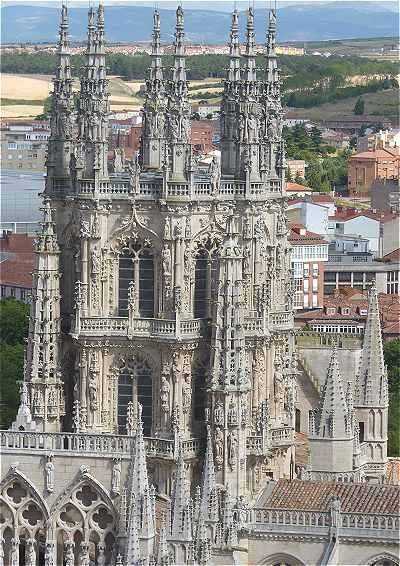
(16, 269)
(296, 187)
(375, 154)
(315, 496)
(393, 256)
(299, 235)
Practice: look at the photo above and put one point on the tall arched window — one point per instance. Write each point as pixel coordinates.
(135, 385)
(206, 276)
(136, 263)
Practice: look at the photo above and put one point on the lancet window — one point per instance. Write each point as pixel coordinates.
(206, 277)
(199, 392)
(135, 384)
(137, 265)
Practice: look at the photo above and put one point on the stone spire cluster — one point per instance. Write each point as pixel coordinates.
(62, 123)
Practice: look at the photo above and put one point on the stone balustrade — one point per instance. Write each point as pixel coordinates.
(275, 437)
(368, 525)
(281, 320)
(143, 327)
(99, 445)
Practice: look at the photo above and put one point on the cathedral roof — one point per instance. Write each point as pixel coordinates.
(316, 496)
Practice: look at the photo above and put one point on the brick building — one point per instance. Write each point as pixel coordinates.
(309, 252)
(365, 167)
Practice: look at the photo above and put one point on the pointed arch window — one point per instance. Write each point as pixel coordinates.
(199, 392)
(206, 277)
(135, 384)
(136, 263)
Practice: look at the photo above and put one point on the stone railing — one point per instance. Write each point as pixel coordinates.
(254, 445)
(275, 437)
(281, 436)
(253, 325)
(366, 525)
(312, 339)
(99, 445)
(147, 327)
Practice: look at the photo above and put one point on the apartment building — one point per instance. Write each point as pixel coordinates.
(24, 145)
(365, 167)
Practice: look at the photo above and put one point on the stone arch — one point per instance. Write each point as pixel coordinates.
(282, 559)
(16, 476)
(384, 559)
(204, 258)
(84, 508)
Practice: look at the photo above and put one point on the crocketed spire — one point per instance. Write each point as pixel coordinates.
(333, 418)
(141, 521)
(181, 508)
(234, 50)
(249, 72)
(371, 380)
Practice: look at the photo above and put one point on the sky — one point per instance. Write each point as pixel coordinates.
(220, 5)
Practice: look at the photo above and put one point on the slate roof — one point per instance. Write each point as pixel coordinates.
(316, 496)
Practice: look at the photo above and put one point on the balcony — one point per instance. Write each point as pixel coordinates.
(99, 445)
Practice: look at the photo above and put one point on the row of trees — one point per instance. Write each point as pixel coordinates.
(392, 360)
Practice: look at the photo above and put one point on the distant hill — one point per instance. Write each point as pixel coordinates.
(132, 23)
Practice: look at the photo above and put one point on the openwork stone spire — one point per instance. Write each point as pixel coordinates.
(141, 521)
(334, 418)
(249, 71)
(153, 144)
(234, 50)
(42, 356)
(180, 149)
(90, 159)
(271, 69)
(61, 116)
(181, 520)
(371, 381)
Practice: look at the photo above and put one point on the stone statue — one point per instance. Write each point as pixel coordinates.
(219, 414)
(84, 559)
(49, 474)
(232, 448)
(335, 511)
(188, 229)
(30, 555)
(14, 552)
(134, 171)
(215, 174)
(232, 414)
(166, 260)
(252, 128)
(93, 392)
(119, 158)
(167, 228)
(186, 393)
(174, 126)
(49, 554)
(69, 558)
(101, 559)
(116, 476)
(95, 260)
(278, 383)
(219, 445)
(165, 394)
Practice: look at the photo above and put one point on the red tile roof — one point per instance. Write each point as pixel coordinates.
(296, 187)
(310, 238)
(375, 154)
(393, 256)
(315, 496)
(17, 268)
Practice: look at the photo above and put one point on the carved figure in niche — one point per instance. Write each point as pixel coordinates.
(232, 414)
(214, 171)
(30, 555)
(246, 228)
(242, 127)
(188, 229)
(95, 260)
(252, 128)
(101, 559)
(278, 383)
(232, 448)
(174, 126)
(134, 171)
(166, 260)
(219, 446)
(335, 511)
(272, 130)
(119, 158)
(116, 476)
(93, 123)
(165, 394)
(219, 414)
(49, 474)
(14, 552)
(69, 557)
(185, 128)
(49, 554)
(178, 231)
(167, 229)
(96, 225)
(93, 391)
(243, 411)
(84, 559)
(186, 393)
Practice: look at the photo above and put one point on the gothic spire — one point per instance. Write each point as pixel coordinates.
(208, 484)
(333, 418)
(179, 68)
(234, 50)
(62, 114)
(42, 355)
(371, 380)
(140, 499)
(271, 70)
(156, 70)
(249, 74)
(181, 519)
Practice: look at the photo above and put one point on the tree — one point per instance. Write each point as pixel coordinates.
(392, 360)
(359, 107)
(288, 174)
(13, 331)
(298, 179)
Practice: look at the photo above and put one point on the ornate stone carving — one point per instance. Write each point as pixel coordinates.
(116, 476)
(49, 474)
